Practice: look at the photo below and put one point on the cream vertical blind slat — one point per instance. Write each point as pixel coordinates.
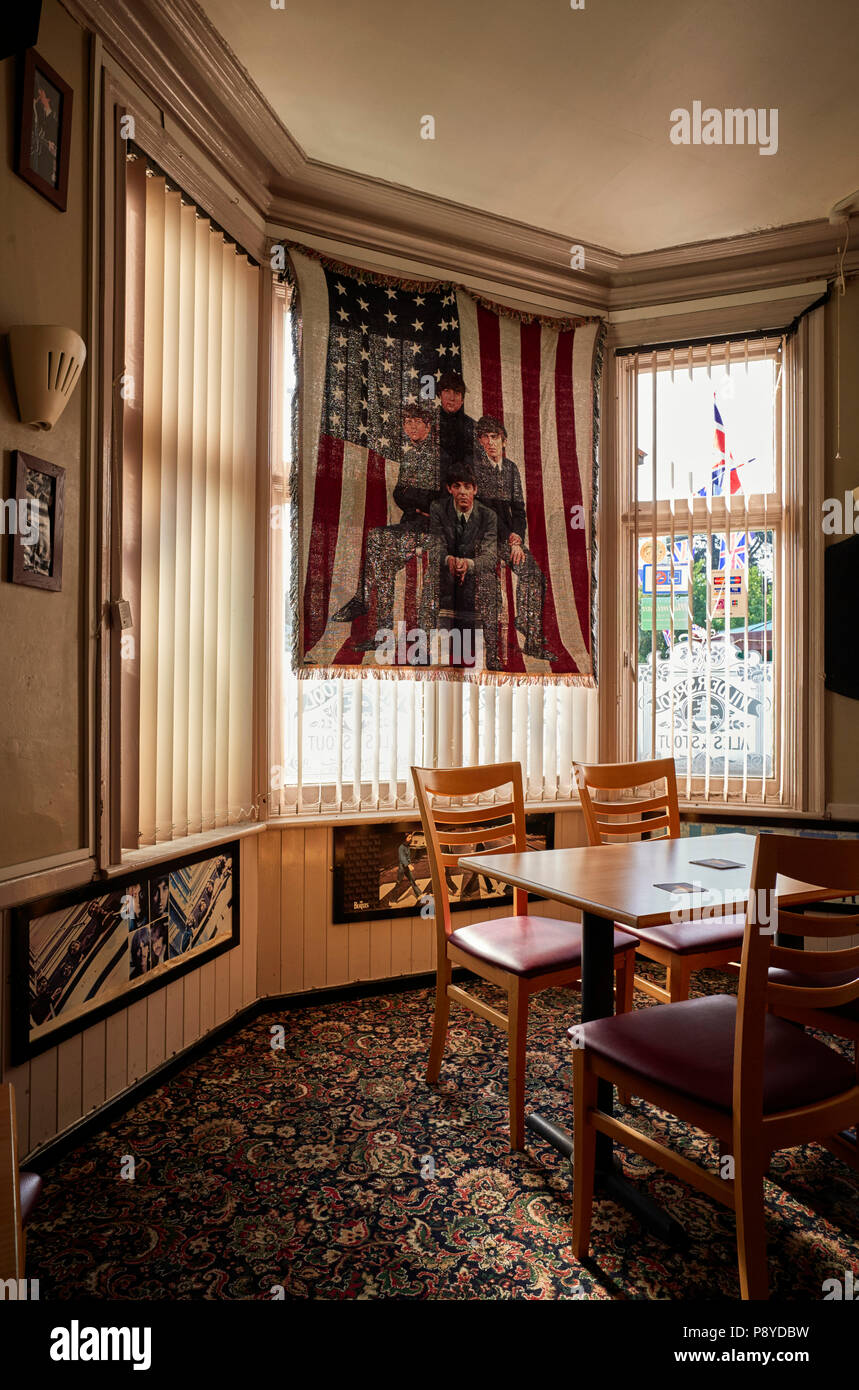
(150, 524)
(184, 511)
(197, 544)
(169, 481)
(225, 501)
(193, 746)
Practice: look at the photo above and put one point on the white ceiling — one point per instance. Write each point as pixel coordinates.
(560, 118)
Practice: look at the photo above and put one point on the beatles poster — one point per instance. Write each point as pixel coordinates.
(444, 471)
(383, 871)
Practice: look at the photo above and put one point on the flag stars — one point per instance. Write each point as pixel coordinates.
(343, 316)
(342, 340)
(365, 328)
(384, 390)
(363, 304)
(454, 349)
(365, 356)
(341, 289)
(419, 298)
(417, 325)
(339, 365)
(392, 318)
(335, 419)
(442, 350)
(386, 366)
(392, 294)
(388, 340)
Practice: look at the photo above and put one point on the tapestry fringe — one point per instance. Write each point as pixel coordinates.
(441, 673)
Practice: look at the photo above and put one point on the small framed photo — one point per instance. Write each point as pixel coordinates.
(37, 526)
(45, 123)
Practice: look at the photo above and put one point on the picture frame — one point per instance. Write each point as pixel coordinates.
(372, 879)
(36, 552)
(45, 129)
(83, 955)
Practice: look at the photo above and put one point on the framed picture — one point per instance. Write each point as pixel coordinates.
(383, 871)
(37, 544)
(82, 956)
(45, 124)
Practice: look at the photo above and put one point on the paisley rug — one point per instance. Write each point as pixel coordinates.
(328, 1169)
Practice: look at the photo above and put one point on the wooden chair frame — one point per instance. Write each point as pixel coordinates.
(449, 825)
(13, 1242)
(746, 1132)
(604, 821)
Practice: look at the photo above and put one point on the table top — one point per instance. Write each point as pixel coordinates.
(619, 881)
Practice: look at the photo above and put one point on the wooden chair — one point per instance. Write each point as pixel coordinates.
(681, 947)
(19, 1192)
(523, 953)
(728, 1066)
(842, 1020)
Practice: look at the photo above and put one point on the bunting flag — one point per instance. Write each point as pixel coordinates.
(444, 481)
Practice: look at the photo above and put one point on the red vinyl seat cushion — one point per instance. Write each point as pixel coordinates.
(689, 1048)
(529, 945)
(688, 938)
(29, 1188)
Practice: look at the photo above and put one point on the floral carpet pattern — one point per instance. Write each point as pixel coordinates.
(328, 1169)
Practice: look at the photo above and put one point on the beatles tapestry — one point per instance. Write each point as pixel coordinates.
(444, 471)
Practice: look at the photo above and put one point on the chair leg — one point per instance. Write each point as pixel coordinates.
(751, 1228)
(584, 1151)
(517, 1038)
(439, 1027)
(678, 980)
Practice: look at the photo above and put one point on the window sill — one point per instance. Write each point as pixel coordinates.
(171, 849)
(284, 822)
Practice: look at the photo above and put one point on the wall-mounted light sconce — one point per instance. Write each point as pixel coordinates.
(47, 361)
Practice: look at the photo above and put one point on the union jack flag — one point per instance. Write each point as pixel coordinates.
(735, 557)
(717, 477)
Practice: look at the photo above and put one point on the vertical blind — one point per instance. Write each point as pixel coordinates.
(348, 744)
(188, 486)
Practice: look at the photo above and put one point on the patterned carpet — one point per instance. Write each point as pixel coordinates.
(331, 1169)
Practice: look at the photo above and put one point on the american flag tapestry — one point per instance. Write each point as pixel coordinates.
(444, 475)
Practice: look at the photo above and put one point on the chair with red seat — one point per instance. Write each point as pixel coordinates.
(681, 947)
(727, 1065)
(19, 1192)
(842, 1020)
(523, 953)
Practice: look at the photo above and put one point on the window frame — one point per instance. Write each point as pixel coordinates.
(797, 579)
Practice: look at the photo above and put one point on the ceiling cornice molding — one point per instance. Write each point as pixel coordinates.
(173, 52)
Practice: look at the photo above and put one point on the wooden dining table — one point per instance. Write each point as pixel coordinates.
(620, 884)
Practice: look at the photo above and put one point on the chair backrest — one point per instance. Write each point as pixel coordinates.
(453, 829)
(607, 820)
(11, 1226)
(828, 864)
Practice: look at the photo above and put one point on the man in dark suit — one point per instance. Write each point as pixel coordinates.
(455, 428)
(389, 548)
(500, 487)
(460, 590)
